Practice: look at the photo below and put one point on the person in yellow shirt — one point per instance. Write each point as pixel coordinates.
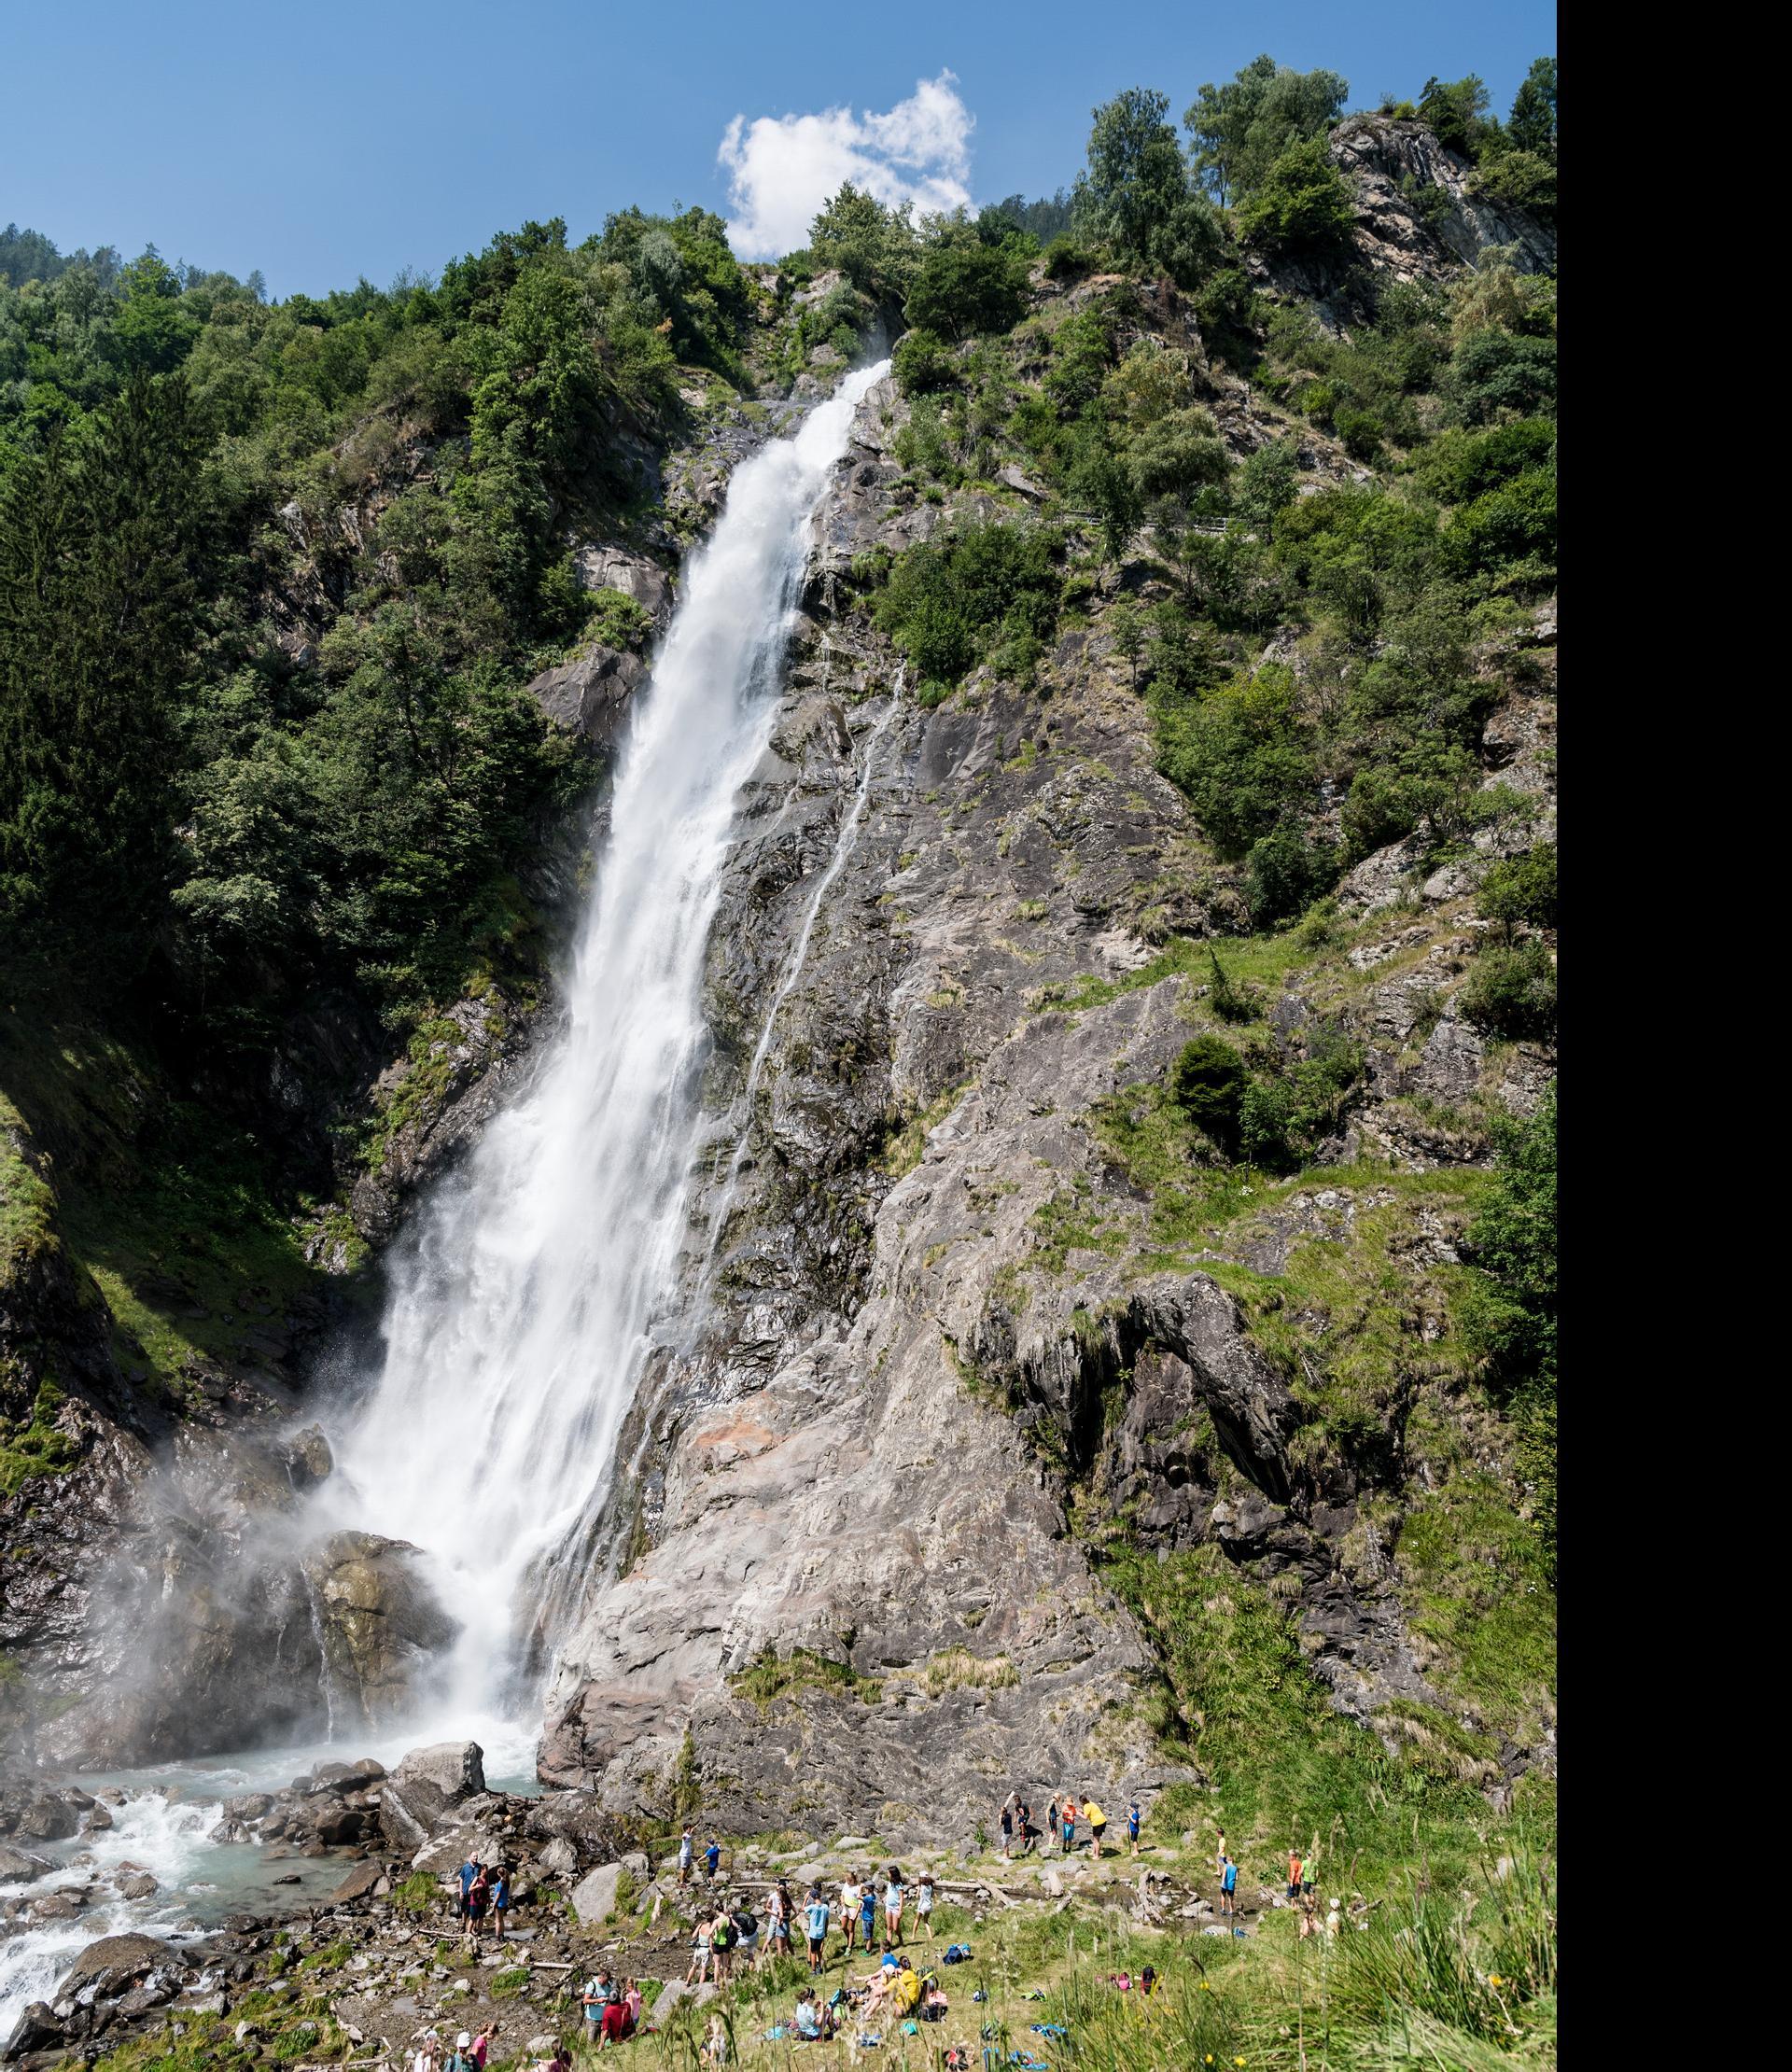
(1098, 1821)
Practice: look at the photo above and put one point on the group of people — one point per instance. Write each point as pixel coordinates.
(611, 2006)
(467, 2054)
(1062, 1815)
(734, 1937)
(484, 1895)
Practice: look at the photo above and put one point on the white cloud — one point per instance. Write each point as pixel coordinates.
(783, 168)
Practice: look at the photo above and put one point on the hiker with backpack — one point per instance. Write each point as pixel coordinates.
(722, 1946)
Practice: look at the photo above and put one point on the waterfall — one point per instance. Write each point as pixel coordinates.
(521, 1301)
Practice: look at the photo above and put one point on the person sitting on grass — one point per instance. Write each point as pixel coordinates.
(814, 2020)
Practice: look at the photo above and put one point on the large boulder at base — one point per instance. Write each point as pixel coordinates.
(378, 1620)
(120, 1958)
(426, 1787)
(594, 1898)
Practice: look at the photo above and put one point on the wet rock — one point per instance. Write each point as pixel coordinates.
(137, 1885)
(424, 1787)
(18, 1864)
(125, 1958)
(379, 1622)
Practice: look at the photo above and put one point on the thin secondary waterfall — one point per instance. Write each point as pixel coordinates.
(520, 1305)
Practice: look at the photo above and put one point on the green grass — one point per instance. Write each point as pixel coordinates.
(770, 1676)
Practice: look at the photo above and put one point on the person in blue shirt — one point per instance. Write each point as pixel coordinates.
(815, 1921)
(1135, 1819)
(469, 1872)
(712, 1859)
(1228, 1886)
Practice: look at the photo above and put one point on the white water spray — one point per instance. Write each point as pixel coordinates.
(520, 1306)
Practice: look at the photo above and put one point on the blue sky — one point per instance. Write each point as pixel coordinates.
(323, 140)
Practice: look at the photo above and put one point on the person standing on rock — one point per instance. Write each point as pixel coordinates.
(712, 1859)
(1023, 1826)
(1228, 1886)
(777, 1923)
(850, 1897)
(479, 1897)
(722, 1946)
(699, 1954)
(1007, 1819)
(1098, 1821)
(687, 1853)
(1135, 1820)
(815, 1921)
(894, 1895)
(468, 1872)
(1067, 1816)
(1052, 1824)
(500, 1899)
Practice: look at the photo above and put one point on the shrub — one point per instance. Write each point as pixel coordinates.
(922, 363)
(1359, 429)
(1243, 755)
(1284, 873)
(1521, 889)
(952, 601)
(1210, 1081)
(1512, 992)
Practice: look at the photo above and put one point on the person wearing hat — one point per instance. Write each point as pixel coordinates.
(463, 2059)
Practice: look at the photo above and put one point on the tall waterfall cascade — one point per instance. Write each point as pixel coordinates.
(522, 1300)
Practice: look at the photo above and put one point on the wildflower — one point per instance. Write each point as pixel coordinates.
(1493, 1979)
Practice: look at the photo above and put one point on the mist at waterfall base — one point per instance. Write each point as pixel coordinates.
(523, 1300)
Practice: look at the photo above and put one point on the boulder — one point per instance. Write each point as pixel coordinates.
(594, 1898)
(378, 1620)
(633, 575)
(359, 1882)
(17, 1865)
(124, 1959)
(455, 1769)
(559, 1858)
(417, 1796)
(590, 695)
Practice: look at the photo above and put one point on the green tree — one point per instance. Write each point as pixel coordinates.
(966, 287)
(1457, 112)
(1521, 889)
(876, 247)
(1209, 1084)
(100, 549)
(1243, 754)
(1239, 130)
(1302, 205)
(1532, 125)
(1135, 194)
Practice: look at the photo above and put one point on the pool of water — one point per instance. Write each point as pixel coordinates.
(164, 1826)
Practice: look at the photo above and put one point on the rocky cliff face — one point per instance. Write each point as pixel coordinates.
(853, 1567)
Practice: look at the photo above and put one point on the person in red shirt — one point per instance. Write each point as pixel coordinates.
(615, 2026)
